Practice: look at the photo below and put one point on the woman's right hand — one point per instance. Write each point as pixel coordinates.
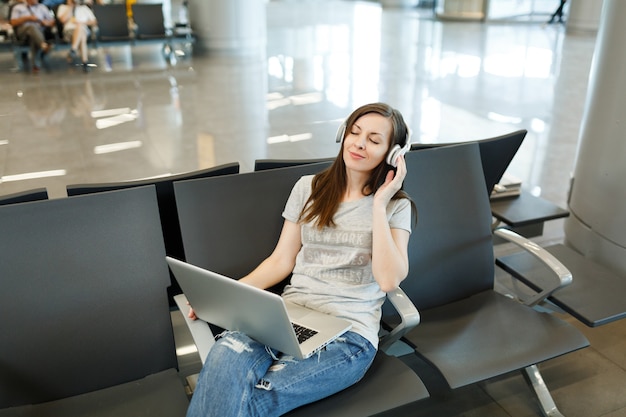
(393, 182)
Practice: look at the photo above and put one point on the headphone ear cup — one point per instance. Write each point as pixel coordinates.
(340, 133)
(394, 152)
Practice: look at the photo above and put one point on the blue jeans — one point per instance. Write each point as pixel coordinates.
(242, 377)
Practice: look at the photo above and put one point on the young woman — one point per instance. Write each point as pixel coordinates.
(345, 239)
(77, 19)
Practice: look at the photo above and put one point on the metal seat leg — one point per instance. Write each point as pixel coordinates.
(535, 380)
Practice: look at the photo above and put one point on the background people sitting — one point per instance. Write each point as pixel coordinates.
(30, 20)
(77, 19)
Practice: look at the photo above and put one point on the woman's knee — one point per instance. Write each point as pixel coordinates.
(230, 347)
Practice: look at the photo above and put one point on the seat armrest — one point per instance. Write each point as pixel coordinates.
(199, 329)
(409, 318)
(563, 276)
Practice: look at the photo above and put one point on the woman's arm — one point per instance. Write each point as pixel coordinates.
(390, 262)
(281, 262)
(91, 19)
(17, 19)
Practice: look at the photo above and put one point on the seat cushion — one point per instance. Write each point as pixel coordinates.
(595, 296)
(388, 384)
(487, 335)
(160, 394)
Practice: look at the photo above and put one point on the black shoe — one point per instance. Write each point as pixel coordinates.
(85, 67)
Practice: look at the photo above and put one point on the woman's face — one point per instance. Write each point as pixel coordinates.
(366, 143)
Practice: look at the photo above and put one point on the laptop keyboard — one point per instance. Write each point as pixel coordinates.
(303, 333)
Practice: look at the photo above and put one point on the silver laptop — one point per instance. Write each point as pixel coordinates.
(262, 315)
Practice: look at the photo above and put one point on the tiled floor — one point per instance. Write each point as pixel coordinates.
(141, 117)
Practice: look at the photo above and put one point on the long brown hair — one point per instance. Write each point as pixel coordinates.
(329, 186)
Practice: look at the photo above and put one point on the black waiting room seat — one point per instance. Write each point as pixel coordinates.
(230, 224)
(167, 204)
(149, 26)
(496, 153)
(149, 21)
(524, 213)
(263, 164)
(24, 196)
(596, 295)
(469, 332)
(85, 319)
(112, 23)
(233, 223)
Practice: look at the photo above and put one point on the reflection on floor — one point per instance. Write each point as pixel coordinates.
(136, 116)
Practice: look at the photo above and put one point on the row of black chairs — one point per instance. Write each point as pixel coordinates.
(115, 29)
(496, 154)
(229, 223)
(147, 24)
(164, 186)
(25, 196)
(465, 334)
(86, 324)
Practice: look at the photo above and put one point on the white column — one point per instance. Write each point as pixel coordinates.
(597, 224)
(229, 26)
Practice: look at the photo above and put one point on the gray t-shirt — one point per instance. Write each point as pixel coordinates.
(333, 272)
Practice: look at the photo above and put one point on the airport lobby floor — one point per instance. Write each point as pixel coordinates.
(139, 116)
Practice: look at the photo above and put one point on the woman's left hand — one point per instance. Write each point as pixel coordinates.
(393, 182)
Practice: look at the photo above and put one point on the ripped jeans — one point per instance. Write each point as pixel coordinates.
(242, 377)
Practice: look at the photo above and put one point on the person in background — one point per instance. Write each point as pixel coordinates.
(558, 13)
(77, 20)
(345, 241)
(6, 30)
(54, 4)
(30, 20)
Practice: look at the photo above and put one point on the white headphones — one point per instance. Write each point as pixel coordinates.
(394, 152)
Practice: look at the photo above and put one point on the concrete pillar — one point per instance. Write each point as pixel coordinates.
(229, 26)
(597, 224)
(584, 16)
(461, 9)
